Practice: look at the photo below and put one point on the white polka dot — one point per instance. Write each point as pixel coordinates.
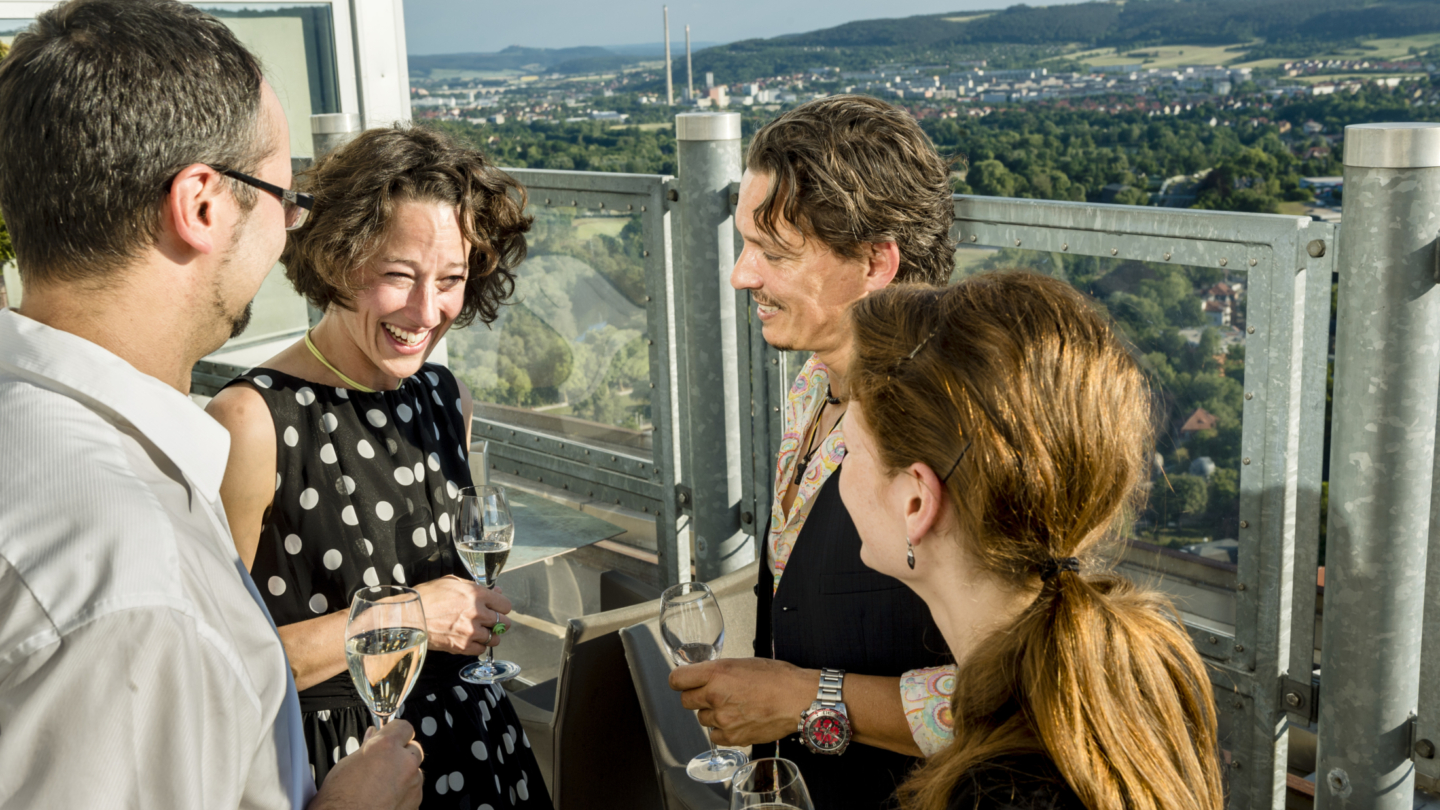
(524, 738)
(351, 746)
(419, 471)
(434, 461)
(485, 711)
(404, 477)
(376, 417)
(342, 393)
(277, 585)
(277, 482)
(418, 408)
(418, 537)
(329, 422)
(457, 781)
(335, 754)
(436, 426)
(331, 559)
(369, 546)
(399, 573)
(365, 450)
(403, 411)
(432, 377)
(384, 510)
(479, 750)
(263, 381)
(523, 790)
(448, 721)
(327, 454)
(497, 784)
(309, 498)
(433, 539)
(430, 698)
(349, 484)
(490, 695)
(292, 437)
(442, 785)
(371, 578)
(292, 543)
(445, 521)
(509, 743)
(452, 490)
(500, 755)
(305, 396)
(323, 714)
(460, 451)
(481, 807)
(318, 603)
(348, 515)
(459, 406)
(460, 693)
(428, 726)
(512, 795)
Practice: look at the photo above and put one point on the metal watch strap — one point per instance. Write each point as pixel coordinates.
(831, 683)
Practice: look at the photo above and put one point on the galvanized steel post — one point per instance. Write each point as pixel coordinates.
(1387, 369)
(709, 162)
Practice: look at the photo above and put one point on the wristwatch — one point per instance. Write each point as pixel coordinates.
(825, 726)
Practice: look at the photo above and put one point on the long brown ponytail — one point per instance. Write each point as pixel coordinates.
(1096, 673)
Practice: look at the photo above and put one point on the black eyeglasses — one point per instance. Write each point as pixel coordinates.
(297, 205)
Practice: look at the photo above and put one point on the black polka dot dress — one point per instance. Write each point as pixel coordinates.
(366, 491)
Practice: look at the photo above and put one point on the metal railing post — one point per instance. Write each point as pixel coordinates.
(1387, 368)
(708, 146)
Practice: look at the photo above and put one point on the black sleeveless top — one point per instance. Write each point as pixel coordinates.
(833, 611)
(366, 491)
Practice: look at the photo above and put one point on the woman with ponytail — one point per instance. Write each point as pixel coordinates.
(997, 439)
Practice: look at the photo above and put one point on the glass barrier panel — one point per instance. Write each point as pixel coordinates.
(1185, 327)
(296, 46)
(10, 26)
(568, 355)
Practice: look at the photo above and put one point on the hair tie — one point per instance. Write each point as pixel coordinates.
(1055, 565)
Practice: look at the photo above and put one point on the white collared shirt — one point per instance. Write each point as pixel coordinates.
(138, 665)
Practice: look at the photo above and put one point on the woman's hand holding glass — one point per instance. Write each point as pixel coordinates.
(460, 614)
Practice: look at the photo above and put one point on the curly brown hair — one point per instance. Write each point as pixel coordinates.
(357, 188)
(851, 170)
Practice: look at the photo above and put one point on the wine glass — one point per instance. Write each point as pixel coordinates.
(770, 784)
(385, 643)
(694, 630)
(484, 536)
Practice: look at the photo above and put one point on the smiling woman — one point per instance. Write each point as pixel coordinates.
(349, 451)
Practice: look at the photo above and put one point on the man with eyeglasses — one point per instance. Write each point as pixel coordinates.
(143, 174)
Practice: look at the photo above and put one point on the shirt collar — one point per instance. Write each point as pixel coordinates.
(73, 366)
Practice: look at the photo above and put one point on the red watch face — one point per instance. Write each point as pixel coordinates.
(827, 732)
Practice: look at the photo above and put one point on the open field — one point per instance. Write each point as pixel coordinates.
(1387, 48)
(1363, 77)
(589, 227)
(1163, 56)
(967, 17)
(656, 127)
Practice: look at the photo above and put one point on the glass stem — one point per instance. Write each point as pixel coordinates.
(380, 721)
(489, 659)
(709, 737)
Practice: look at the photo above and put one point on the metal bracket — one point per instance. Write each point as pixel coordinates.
(672, 193)
(684, 500)
(1301, 700)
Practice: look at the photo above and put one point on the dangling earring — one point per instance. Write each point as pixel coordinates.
(909, 554)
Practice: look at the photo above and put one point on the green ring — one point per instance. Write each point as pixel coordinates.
(499, 628)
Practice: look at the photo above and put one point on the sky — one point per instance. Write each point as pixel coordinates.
(469, 26)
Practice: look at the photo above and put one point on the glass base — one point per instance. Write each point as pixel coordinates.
(484, 673)
(717, 767)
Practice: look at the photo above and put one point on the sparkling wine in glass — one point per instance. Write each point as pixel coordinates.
(694, 631)
(770, 784)
(484, 535)
(385, 643)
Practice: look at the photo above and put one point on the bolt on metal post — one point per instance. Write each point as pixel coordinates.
(1387, 369)
(708, 147)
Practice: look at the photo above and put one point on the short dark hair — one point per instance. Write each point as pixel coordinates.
(357, 188)
(850, 170)
(102, 102)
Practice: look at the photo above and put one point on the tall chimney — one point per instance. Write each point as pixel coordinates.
(689, 67)
(669, 81)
